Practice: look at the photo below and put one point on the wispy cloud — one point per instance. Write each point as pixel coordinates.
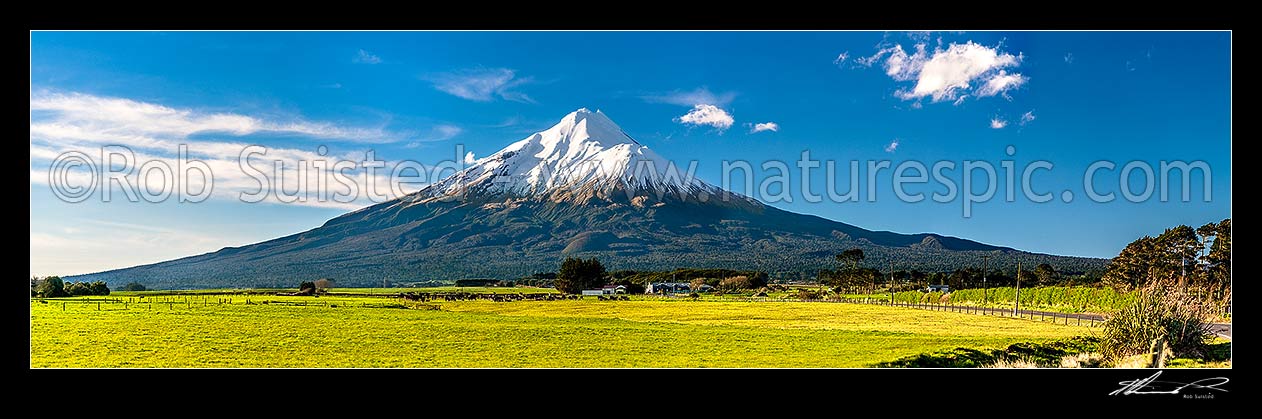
(998, 123)
(763, 126)
(893, 146)
(951, 73)
(841, 58)
(1069, 58)
(482, 84)
(708, 115)
(508, 122)
(152, 132)
(1027, 117)
(440, 132)
(365, 57)
(701, 95)
(126, 117)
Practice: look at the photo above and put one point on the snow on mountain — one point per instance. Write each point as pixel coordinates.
(584, 155)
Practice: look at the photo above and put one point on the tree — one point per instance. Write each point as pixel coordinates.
(851, 257)
(735, 283)
(325, 283)
(1178, 257)
(52, 287)
(696, 284)
(76, 289)
(1219, 257)
(1128, 267)
(1045, 274)
(134, 286)
(1217, 261)
(98, 288)
(307, 288)
(577, 274)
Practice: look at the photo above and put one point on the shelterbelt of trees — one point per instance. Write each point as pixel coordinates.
(1196, 259)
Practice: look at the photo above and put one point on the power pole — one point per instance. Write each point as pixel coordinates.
(985, 266)
(1016, 302)
(891, 282)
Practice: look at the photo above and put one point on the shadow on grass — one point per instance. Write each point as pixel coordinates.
(1039, 353)
(1219, 352)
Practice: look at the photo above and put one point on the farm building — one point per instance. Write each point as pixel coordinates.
(673, 287)
(607, 290)
(938, 288)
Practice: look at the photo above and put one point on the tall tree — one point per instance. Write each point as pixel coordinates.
(1181, 247)
(851, 257)
(577, 274)
(52, 287)
(1218, 259)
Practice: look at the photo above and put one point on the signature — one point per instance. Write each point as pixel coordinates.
(1150, 385)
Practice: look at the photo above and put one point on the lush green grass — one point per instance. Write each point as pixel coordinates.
(361, 332)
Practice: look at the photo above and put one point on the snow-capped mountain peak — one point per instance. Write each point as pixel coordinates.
(584, 155)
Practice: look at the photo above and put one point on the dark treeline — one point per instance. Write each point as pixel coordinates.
(863, 279)
(577, 274)
(53, 286)
(853, 278)
(1198, 259)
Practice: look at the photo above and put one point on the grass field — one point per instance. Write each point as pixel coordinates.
(362, 332)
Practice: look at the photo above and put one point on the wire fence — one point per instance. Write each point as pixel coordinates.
(1073, 319)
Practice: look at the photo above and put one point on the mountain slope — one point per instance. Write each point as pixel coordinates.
(582, 187)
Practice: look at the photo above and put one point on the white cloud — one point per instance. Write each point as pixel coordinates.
(947, 74)
(1069, 58)
(469, 158)
(763, 126)
(76, 111)
(483, 84)
(892, 146)
(1027, 117)
(707, 115)
(841, 58)
(998, 123)
(701, 95)
(1001, 83)
(365, 57)
(62, 123)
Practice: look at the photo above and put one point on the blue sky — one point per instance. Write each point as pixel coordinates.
(1071, 98)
